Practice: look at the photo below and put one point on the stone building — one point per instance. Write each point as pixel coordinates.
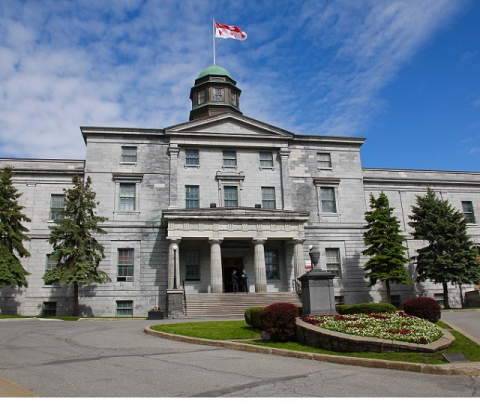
(229, 192)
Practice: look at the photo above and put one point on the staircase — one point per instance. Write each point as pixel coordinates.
(230, 304)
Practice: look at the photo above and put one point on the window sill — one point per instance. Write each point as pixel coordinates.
(192, 166)
(128, 163)
(324, 169)
(266, 168)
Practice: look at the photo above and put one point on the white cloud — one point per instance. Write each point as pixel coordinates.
(318, 67)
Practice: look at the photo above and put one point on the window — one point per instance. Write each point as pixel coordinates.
(324, 160)
(51, 263)
(57, 204)
(125, 264)
(191, 196)
(192, 265)
(271, 265)
(333, 261)
(229, 158)
(49, 308)
(233, 98)
(192, 157)
(127, 197)
(266, 159)
(230, 196)
(218, 94)
(339, 300)
(467, 207)
(327, 198)
(129, 154)
(201, 97)
(124, 307)
(268, 198)
(396, 300)
(439, 298)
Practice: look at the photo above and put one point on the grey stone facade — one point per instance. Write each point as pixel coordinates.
(314, 187)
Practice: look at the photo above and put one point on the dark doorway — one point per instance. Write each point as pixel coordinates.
(228, 265)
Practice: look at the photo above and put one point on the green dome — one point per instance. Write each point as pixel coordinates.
(214, 71)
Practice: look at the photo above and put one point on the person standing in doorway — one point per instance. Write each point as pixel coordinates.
(234, 281)
(245, 280)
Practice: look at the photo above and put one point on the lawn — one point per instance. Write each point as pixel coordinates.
(240, 330)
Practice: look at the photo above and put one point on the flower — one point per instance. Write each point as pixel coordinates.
(156, 309)
(398, 326)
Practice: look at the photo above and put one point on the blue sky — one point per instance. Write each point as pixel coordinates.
(404, 74)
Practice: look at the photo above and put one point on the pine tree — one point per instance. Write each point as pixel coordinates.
(12, 233)
(75, 249)
(385, 245)
(450, 256)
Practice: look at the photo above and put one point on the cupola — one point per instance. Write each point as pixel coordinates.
(214, 92)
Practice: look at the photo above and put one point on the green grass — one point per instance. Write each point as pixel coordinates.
(213, 330)
(239, 330)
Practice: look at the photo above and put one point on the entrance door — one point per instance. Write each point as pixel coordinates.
(228, 265)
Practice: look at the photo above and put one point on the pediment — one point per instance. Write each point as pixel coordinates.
(228, 124)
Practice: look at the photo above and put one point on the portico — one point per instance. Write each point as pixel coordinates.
(268, 243)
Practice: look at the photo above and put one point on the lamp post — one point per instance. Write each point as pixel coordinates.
(175, 248)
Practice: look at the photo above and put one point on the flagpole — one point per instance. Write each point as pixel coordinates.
(213, 41)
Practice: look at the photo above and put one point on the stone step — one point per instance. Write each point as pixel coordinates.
(231, 304)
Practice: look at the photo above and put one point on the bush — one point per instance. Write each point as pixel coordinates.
(423, 307)
(252, 316)
(278, 320)
(366, 308)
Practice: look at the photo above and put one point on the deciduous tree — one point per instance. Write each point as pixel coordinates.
(12, 233)
(385, 245)
(75, 248)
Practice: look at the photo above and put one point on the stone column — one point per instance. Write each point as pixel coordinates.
(173, 151)
(299, 258)
(259, 266)
(216, 283)
(172, 242)
(296, 258)
(286, 188)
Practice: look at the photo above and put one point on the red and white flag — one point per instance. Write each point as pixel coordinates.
(229, 31)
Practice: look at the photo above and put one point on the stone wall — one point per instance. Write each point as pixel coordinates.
(314, 336)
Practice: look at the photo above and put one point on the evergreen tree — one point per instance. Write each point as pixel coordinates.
(77, 252)
(12, 233)
(385, 245)
(450, 256)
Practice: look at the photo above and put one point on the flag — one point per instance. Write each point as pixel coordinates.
(229, 31)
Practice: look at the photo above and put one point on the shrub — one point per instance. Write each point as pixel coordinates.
(423, 307)
(278, 320)
(366, 308)
(252, 316)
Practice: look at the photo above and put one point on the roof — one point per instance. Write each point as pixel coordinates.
(214, 71)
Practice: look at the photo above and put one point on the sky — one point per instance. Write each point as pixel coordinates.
(404, 74)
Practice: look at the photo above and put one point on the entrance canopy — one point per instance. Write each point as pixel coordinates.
(235, 223)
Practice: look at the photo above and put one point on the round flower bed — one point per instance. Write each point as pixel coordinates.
(399, 326)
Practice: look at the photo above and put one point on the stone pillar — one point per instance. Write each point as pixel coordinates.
(216, 282)
(286, 187)
(172, 242)
(297, 262)
(173, 151)
(259, 266)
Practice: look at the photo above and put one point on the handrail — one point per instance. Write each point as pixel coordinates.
(297, 287)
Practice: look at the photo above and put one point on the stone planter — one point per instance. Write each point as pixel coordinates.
(155, 315)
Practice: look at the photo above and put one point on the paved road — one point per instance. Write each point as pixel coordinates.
(117, 359)
(466, 321)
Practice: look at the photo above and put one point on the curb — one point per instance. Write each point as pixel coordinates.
(466, 369)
